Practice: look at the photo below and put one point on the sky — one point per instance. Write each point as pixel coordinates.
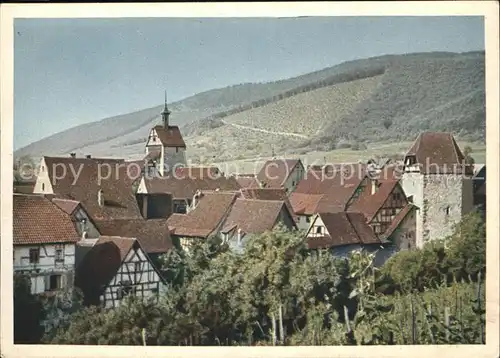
(69, 72)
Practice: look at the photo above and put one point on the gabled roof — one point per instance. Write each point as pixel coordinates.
(369, 204)
(187, 187)
(343, 228)
(36, 220)
(275, 172)
(153, 234)
(254, 216)
(438, 152)
(328, 192)
(398, 220)
(192, 172)
(101, 264)
(247, 181)
(66, 205)
(80, 182)
(268, 194)
(205, 218)
(170, 137)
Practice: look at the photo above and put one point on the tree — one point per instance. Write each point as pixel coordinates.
(467, 154)
(28, 312)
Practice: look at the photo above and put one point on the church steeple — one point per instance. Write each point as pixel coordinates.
(165, 114)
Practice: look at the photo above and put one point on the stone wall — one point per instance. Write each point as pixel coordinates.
(446, 199)
(413, 185)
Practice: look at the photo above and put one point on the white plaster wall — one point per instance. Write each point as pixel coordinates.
(413, 184)
(43, 184)
(294, 178)
(302, 224)
(173, 158)
(47, 258)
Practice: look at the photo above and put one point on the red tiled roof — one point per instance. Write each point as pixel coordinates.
(438, 152)
(305, 204)
(398, 220)
(197, 172)
(119, 198)
(369, 204)
(343, 229)
(254, 216)
(269, 194)
(249, 182)
(186, 188)
(66, 205)
(36, 220)
(275, 172)
(205, 218)
(170, 137)
(153, 234)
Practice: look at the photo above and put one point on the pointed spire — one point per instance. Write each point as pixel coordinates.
(166, 113)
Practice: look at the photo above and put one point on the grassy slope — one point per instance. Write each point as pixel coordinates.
(436, 91)
(307, 113)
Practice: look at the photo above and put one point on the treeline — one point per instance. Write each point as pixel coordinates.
(277, 293)
(329, 81)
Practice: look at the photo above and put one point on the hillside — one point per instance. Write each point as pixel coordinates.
(387, 98)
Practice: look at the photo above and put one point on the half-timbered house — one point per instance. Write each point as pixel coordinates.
(344, 232)
(252, 217)
(183, 189)
(44, 238)
(281, 173)
(204, 218)
(114, 268)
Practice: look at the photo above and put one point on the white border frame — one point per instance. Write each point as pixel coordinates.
(488, 9)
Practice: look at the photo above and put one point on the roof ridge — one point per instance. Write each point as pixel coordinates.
(347, 215)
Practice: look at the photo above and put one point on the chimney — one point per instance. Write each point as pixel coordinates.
(73, 155)
(196, 198)
(374, 186)
(88, 156)
(100, 197)
(145, 206)
(239, 236)
(83, 226)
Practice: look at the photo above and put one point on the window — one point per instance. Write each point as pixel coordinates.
(308, 219)
(59, 257)
(43, 186)
(177, 149)
(42, 168)
(34, 256)
(447, 210)
(55, 282)
(318, 230)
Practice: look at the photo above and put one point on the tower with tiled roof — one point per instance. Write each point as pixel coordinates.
(438, 180)
(165, 147)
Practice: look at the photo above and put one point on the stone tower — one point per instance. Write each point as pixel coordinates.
(438, 181)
